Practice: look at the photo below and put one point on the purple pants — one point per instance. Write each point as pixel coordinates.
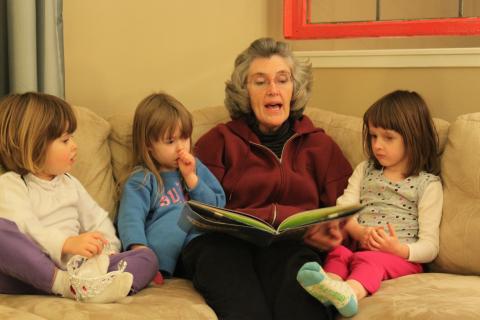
(369, 268)
(25, 269)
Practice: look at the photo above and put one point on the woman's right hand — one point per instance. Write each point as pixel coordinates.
(324, 236)
(87, 244)
(363, 236)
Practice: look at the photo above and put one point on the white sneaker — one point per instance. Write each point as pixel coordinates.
(91, 283)
(94, 267)
(119, 288)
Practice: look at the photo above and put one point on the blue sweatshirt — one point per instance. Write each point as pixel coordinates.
(152, 218)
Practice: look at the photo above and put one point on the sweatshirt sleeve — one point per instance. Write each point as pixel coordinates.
(212, 140)
(133, 210)
(429, 215)
(338, 171)
(208, 189)
(92, 217)
(15, 205)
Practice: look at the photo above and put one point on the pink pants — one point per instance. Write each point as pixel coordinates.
(369, 268)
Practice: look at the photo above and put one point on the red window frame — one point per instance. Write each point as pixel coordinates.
(297, 25)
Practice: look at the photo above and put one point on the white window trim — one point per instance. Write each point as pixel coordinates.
(395, 58)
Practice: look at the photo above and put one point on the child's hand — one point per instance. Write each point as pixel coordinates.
(87, 244)
(186, 165)
(379, 240)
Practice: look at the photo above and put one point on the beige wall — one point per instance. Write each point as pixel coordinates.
(449, 92)
(118, 51)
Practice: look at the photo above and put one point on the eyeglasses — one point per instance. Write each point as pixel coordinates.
(262, 82)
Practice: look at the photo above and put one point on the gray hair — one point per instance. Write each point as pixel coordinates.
(237, 99)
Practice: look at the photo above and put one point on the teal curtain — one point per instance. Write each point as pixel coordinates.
(31, 47)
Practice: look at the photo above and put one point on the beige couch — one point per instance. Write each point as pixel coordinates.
(451, 290)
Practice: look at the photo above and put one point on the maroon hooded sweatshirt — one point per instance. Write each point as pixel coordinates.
(311, 173)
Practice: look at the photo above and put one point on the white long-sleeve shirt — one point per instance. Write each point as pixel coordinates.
(51, 211)
(429, 207)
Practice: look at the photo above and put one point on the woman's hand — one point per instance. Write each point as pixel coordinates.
(87, 244)
(186, 165)
(324, 236)
(364, 236)
(379, 240)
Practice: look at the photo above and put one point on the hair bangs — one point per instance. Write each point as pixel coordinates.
(167, 120)
(59, 118)
(383, 115)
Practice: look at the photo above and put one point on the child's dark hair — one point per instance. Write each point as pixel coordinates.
(157, 116)
(28, 123)
(406, 113)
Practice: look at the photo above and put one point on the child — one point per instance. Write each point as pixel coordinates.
(47, 217)
(163, 170)
(399, 227)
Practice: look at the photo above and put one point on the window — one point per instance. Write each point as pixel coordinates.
(322, 19)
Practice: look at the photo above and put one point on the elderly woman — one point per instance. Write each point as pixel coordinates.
(272, 162)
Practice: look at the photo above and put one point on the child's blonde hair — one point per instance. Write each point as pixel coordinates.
(406, 113)
(157, 116)
(29, 122)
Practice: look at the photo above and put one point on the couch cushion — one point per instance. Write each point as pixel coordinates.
(174, 300)
(120, 143)
(93, 167)
(424, 296)
(7, 313)
(345, 130)
(460, 226)
(206, 118)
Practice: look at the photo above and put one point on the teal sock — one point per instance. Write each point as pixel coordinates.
(301, 278)
(317, 283)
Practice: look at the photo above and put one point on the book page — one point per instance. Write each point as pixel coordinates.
(318, 215)
(241, 217)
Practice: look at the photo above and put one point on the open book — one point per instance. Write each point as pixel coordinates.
(248, 227)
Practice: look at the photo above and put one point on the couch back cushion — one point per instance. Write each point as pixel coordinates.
(93, 166)
(460, 226)
(120, 143)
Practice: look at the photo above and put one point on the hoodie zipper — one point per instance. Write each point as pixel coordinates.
(283, 148)
(281, 171)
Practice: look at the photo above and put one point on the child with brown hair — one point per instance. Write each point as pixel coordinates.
(398, 229)
(164, 175)
(48, 221)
